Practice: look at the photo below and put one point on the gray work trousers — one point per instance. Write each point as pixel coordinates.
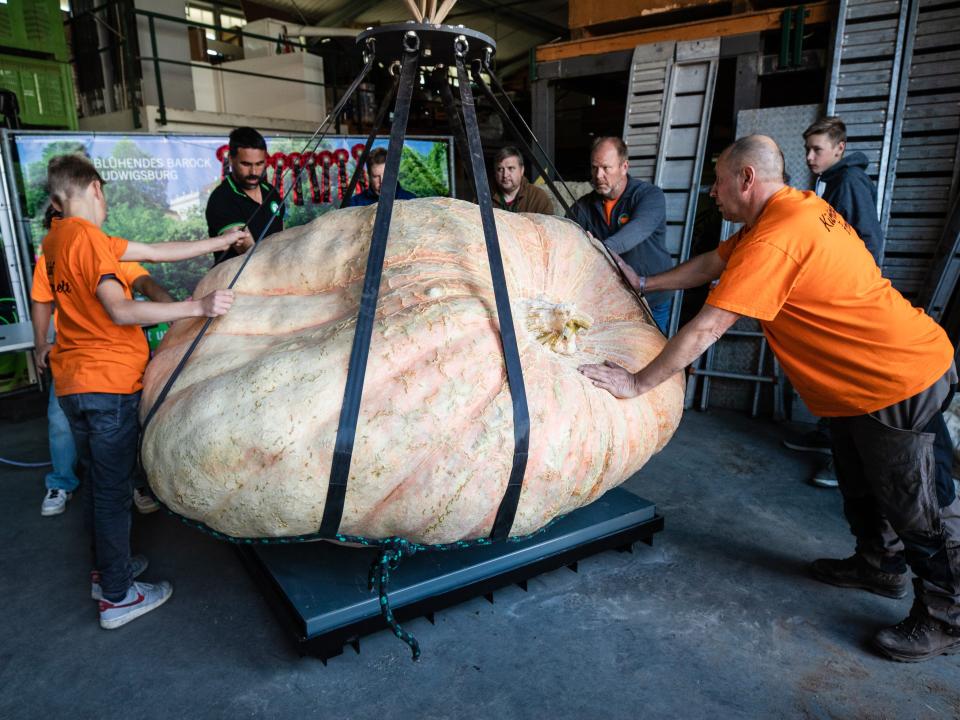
(897, 510)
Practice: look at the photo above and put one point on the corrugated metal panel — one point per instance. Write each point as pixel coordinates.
(665, 127)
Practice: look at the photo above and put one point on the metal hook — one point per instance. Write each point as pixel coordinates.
(371, 49)
(395, 68)
(411, 41)
(460, 46)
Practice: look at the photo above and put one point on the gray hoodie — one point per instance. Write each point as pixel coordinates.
(851, 192)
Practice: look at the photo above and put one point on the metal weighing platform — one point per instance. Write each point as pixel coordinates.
(319, 589)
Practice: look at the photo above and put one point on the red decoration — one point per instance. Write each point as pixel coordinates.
(223, 155)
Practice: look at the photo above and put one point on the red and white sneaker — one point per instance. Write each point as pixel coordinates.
(138, 563)
(141, 598)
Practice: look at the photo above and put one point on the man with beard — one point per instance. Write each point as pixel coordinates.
(629, 216)
(244, 198)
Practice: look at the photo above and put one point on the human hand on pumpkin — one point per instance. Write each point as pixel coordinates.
(611, 377)
(216, 303)
(239, 239)
(637, 282)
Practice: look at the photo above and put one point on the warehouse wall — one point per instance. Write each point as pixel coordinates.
(172, 43)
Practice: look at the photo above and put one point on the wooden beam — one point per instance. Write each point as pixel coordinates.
(586, 13)
(528, 22)
(820, 12)
(347, 14)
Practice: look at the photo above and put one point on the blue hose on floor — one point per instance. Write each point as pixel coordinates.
(16, 463)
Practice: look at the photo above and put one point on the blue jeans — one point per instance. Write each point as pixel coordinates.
(63, 453)
(106, 429)
(661, 316)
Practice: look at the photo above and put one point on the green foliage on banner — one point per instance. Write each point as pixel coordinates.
(35, 182)
(425, 176)
(139, 210)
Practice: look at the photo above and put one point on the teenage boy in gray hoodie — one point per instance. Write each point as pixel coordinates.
(848, 188)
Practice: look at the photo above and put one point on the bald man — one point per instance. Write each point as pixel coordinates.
(858, 353)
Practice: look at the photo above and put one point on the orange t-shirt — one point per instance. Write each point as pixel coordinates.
(42, 293)
(849, 342)
(92, 353)
(608, 206)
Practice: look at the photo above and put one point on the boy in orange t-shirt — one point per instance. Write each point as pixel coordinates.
(858, 353)
(62, 481)
(98, 361)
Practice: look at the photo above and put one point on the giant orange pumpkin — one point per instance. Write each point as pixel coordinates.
(244, 441)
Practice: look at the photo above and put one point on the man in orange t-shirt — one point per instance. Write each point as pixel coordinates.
(858, 353)
(98, 361)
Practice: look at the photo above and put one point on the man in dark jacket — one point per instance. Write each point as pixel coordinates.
(627, 215)
(376, 164)
(512, 191)
(843, 182)
(848, 188)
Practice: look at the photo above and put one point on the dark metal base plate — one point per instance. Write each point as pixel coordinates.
(319, 589)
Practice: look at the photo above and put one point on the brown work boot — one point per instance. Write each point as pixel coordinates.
(918, 637)
(855, 572)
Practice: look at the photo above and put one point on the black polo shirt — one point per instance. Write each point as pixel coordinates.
(229, 207)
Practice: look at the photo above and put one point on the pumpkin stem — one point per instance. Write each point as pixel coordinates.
(556, 325)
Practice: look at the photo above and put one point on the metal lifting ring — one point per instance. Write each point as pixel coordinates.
(411, 41)
(370, 50)
(461, 47)
(487, 57)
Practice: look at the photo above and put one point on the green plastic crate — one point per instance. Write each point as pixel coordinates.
(34, 25)
(44, 89)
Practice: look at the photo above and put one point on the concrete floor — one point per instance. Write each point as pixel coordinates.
(717, 620)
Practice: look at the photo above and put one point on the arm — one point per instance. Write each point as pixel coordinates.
(646, 217)
(694, 272)
(151, 289)
(173, 251)
(681, 350)
(40, 314)
(124, 311)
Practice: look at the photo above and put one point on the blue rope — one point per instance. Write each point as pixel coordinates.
(391, 553)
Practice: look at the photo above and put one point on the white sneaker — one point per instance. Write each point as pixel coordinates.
(144, 501)
(138, 563)
(54, 502)
(141, 598)
(826, 476)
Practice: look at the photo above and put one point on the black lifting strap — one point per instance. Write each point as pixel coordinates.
(362, 160)
(475, 68)
(352, 394)
(511, 354)
(312, 144)
(453, 116)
